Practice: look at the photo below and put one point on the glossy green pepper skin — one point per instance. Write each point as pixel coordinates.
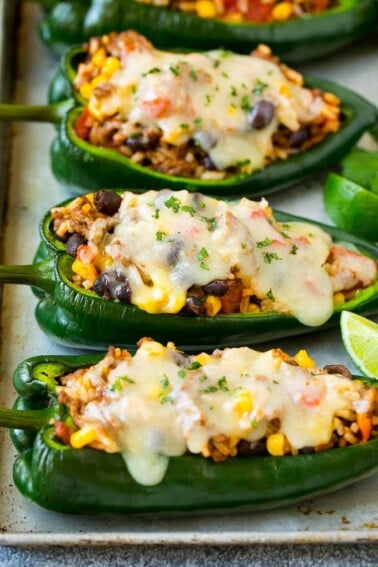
(88, 481)
(295, 40)
(81, 167)
(80, 318)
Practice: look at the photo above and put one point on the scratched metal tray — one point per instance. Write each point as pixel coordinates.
(348, 516)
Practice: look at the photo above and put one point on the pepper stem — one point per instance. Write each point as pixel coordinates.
(25, 419)
(52, 113)
(40, 274)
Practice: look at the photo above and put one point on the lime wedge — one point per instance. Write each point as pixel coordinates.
(360, 338)
(351, 207)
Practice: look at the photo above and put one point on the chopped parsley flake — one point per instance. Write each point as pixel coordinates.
(197, 122)
(222, 383)
(188, 209)
(234, 91)
(254, 423)
(184, 126)
(243, 245)
(203, 254)
(173, 203)
(193, 74)
(209, 390)
(156, 214)
(117, 384)
(211, 223)
(245, 103)
(294, 249)
(174, 70)
(151, 71)
(216, 63)
(208, 99)
(182, 373)
(270, 256)
(194, 366)
(259, 87)
(225, 75)
(159, 235)
(262, 243)
(165, 382)
(270, 295)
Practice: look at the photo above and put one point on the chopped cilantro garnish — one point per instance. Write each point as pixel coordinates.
(245, 103)
(159, 235)
(151, 71)
(222, 383)
(188, 209)
(174, 70)
(193, 74)
(270, 295)
(203, 254)
(262, 243)
(270, 256)
(259, 87)
(209, 390)
(173, 203)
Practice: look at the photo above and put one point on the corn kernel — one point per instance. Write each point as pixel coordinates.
(86, 208)
(83, 437)
(212, 305)
(206, 9)
(112, 64)
(339, 298)
(282, 11)
(203, 358)
(275, 444)
(155, 349)
(98, 80)
(231, 110)
(304, 360)
(244, 403)
(284, 90)
(99, 57)
(85, 271)
(86, 91)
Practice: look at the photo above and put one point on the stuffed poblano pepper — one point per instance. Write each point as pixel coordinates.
(206, 271)
(296, 31)
(216, 122)
(250, 430)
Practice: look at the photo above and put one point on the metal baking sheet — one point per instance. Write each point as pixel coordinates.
(348, 516)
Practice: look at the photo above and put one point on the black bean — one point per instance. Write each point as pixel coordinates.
(140, 143)
(73, 243)
(123, 292)
(174, 253)
(261, 115)
(216, 287)
(209, 164)
(113, 285)
(297, 138)
(107, 202)
(194, 306)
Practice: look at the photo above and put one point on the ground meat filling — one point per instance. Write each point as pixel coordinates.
(74, 224)
(144, 143)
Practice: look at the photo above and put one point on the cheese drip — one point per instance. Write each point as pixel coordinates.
(161, 403)
(165, 242)
(207, 97)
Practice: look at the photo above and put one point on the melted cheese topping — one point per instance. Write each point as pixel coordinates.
(208, 97)
(161, 403)
(165, 242)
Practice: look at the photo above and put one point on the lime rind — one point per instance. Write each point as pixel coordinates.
(360, 338)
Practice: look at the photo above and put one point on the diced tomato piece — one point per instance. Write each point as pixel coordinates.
(259, 12)
(82, 125)
(62, 431)
(156, 107)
